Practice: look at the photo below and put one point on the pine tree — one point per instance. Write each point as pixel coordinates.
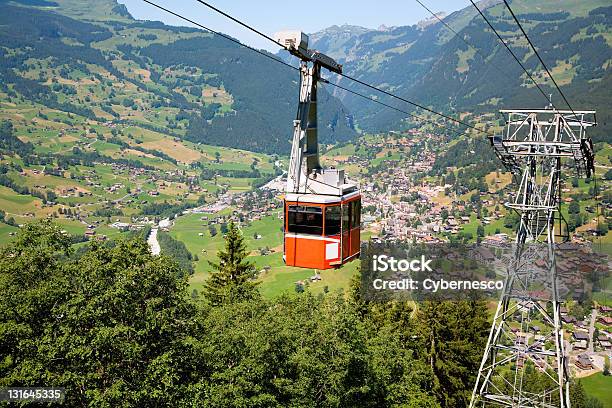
(232, 278)
(453, 334)
(577, 395)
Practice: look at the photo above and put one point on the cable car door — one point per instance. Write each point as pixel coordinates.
(346, 231)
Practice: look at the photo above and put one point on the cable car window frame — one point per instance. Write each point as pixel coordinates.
(305, 219)
(355, 214)
(336, 226)
(346, 218)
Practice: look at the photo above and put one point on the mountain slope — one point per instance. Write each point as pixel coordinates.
(434, 67)
(194, 85)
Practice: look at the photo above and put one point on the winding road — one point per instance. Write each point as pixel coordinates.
(153, 243)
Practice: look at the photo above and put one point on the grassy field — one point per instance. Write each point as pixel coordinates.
(599, 386)
(13, 203)
(605, 296)
(282, 279)
(346, 150)
(576, 8)
(5, 231)
(494, 225)
(275, 278)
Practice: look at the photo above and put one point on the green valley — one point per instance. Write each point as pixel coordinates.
(146, 202)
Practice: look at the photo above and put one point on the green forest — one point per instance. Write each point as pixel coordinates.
(116, 326)
(471, 72)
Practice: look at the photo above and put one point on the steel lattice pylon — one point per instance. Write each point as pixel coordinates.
(533, 147)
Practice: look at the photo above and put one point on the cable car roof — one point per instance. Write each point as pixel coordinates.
(318, 198)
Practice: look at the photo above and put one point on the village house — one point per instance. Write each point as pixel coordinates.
(580, 345)
(482, 254)
(584, 362)
(567, 319)
(604, 341)
(579, 336)
(605, 309)
(496, 241)
(606, 320)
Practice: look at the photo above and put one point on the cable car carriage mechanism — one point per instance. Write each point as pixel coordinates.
(322, 208)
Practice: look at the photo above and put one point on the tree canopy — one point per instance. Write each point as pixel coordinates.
(117, 326)
(232, 276)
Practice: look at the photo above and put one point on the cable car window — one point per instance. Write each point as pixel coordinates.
(355, 214)
(303, 219)
(346, 218)
(332, 220)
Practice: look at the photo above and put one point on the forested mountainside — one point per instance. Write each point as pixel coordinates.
(195, 85)
(433, 66)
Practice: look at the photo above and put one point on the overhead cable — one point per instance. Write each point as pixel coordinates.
(512, 53)
(538, 55)
(415, 104)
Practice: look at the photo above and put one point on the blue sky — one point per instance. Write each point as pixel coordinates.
(270, 16)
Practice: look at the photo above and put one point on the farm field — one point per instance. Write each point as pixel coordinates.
(5, 233)
(599, 386)
(142, 167)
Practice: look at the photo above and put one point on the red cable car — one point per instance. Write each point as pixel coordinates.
(321, 231)
(322, 208)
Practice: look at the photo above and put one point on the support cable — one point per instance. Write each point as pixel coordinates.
(456, 34)
(297, 69)
(538, 55)
(415, 104)
(389, 106)
(512, 53)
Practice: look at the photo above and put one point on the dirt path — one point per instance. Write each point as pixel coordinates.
(153, 243)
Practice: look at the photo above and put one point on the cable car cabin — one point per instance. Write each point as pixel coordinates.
(322, 231)
(322, 207)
